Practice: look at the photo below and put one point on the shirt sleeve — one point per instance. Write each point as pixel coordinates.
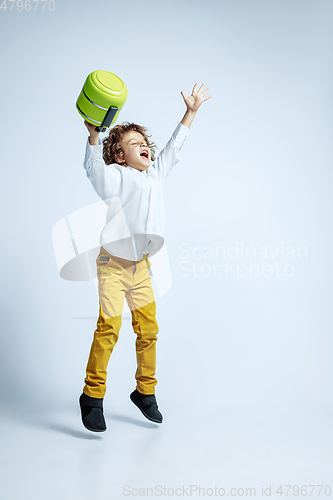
(106, 179)
(169, 156)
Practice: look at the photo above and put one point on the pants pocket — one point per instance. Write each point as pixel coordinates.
(102, 260)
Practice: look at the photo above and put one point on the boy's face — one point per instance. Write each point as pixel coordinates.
(136, 152)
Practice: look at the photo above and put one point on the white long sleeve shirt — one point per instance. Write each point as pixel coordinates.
(135, 216)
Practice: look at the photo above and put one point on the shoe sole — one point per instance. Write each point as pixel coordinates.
(94, 430)
(145, 414)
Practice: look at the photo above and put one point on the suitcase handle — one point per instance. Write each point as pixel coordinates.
(110, 114)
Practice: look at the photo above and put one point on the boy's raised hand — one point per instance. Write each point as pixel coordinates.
(93, 139)
(194, 101)
(91, 128)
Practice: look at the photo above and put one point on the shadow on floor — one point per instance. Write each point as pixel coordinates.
(129, 420)
(72, 432)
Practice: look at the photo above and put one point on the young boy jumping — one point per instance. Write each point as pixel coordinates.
(126, 175)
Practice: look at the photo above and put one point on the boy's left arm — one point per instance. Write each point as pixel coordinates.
(169, 156)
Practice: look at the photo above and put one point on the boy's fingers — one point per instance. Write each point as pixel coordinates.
(183, 94)
(204, 93)
(201, 87)
(195, 86)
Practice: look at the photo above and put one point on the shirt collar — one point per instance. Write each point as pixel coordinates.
(144, 172)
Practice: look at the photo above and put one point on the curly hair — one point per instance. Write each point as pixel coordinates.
(111, 144)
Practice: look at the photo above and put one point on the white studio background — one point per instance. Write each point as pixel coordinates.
(256, 171)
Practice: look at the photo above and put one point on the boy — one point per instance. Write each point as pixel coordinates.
(127, 177)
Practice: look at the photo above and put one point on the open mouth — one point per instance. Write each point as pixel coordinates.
(145, 154)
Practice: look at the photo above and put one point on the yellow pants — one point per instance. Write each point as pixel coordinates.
(119, 278)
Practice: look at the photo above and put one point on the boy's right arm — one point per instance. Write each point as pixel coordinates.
(105, 178)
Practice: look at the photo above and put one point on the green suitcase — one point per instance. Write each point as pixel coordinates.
(102, 97)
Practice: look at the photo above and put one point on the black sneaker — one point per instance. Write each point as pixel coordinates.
(92, 413)
(147, 405)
